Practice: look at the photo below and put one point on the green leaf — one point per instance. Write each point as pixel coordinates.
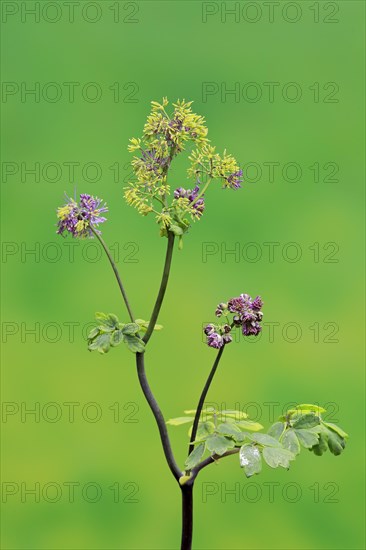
(249, 425)
(276, 430)
(108, 320)
(306, 407)
(195, 456)
(116, 337)
(336, 444)
(240, 437)
(321, 447)
(307, 420)
(113, 319)
(336, 429)
(130, 329)
(134, 343)
(290, 442)
(178, 231)
(144, 324)
(101, 317)
(218, 444)
(208, 411)
(93, 333)
(180, 420)
(228, 429)
(237, 415)
(277, 457)
(250, 459)
(204, 430)
(101, 343)
(307, 439)
(265, 439)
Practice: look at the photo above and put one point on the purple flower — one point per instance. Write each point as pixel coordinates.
(215, 340)
(79, 218)
(227, 338)
(220, 309)
(251, 328)
(235, 179)
(247, 314)
(198, 206)
(209, 329)
(153, 162)
(257, 303)
(217, 336)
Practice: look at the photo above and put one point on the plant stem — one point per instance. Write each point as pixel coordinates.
(202, 192)
(163, 285)
(187, 517)
(210, 460)
(203, 397)
(174, 468)
(114, 267)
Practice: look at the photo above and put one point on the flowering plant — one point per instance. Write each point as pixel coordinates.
(216, 433)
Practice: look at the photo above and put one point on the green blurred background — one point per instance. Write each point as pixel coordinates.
(154, 49)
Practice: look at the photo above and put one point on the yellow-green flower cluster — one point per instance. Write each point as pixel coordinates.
(164, 137)
(206, 163)
(179, 128)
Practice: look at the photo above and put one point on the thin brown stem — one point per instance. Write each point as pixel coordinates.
(115, 270)
(202, 399)
(174, 468)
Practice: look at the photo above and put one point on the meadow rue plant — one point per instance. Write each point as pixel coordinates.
(213, 434)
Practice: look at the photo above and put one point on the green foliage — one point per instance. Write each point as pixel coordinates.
(300, 427)
(222, 431)
(110, 333)
(218, 431)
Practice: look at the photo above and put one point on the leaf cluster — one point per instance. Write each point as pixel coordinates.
(221, 431)
(110, 332)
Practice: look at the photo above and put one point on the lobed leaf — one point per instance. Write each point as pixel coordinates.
(219, 444)
(265, 439)
(195, 456)
(250, 459)
(275, 457)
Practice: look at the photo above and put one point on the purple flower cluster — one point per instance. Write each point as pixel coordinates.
(78, 218)
(153, 161)
(246, 313)
(218, 336)
(198, 206)
(235, 179)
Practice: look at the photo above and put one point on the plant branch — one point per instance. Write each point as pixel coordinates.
(202, 399)
(163, 285)
(174, 468)
(114, 267)
(210, 460)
